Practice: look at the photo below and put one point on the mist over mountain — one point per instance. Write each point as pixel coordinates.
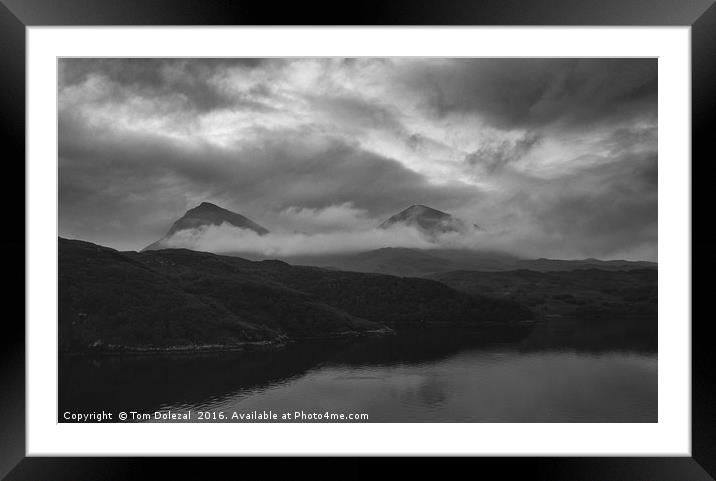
(562, 152)
(427, 220)
(211, 228)
(204, 215)
(407, 239)
(417, 241)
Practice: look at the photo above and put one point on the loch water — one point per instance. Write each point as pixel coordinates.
(561, 371)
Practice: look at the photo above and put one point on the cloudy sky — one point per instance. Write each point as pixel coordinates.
(553, 157)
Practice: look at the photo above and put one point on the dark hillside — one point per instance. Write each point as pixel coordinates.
(585, 293)
(375, 297)
(108, 299)
(184, 299)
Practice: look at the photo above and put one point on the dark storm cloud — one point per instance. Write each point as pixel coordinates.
(555, 157)
(609, 211)
(532, 93)
(608, 208)
(283, 170)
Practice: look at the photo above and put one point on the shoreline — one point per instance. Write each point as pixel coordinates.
(284, 341)
(278, 343)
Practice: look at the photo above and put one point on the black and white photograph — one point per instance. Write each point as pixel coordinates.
(357, 240)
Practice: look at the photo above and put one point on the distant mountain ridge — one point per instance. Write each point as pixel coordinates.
(406, 262)
(207, 214)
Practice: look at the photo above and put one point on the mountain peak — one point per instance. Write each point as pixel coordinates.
(426, 219)
(207, 214)
(423, 210)
(207, 207)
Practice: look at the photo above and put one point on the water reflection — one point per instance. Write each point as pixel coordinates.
(561, 372)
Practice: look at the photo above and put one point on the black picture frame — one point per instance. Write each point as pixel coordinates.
(16, 15)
